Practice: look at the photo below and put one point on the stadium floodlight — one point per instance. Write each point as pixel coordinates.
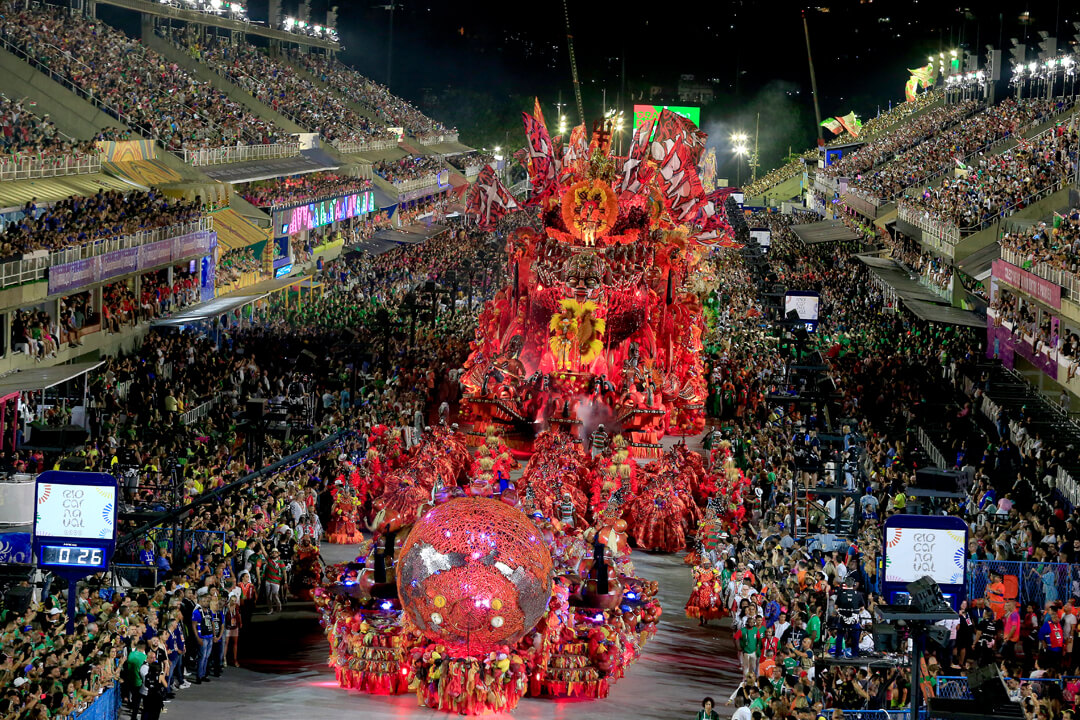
(739, 138)
(1032, 66)
(930, 58)
(740, 150)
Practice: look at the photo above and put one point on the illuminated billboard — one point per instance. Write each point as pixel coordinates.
(291, 221)
(644, 113)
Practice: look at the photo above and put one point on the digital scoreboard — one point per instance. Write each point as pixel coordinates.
(74, 526)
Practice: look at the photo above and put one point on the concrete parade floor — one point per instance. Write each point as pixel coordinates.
(283, 671)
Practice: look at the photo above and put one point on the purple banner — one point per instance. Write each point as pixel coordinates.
(156, 253)
(1042, 290)
(120, 262)
(79, 274)
(1003, 345)
(73, 275)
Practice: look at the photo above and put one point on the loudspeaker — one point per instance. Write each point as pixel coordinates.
(17, 599)
(988, 688)
(941, 480)
(926, 595)
(256, 409)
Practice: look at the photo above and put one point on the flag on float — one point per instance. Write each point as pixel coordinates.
(832, 125)
(959, 164)
(544, 171)
(679, 184)
(577, 148)
(850, 123)
(671, 126)
(538, 113)
(488, 199)
(708, 170)
(635, 170)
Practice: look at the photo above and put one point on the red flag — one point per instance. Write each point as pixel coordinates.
(578, 146)
(674, 127)
(538, 113)
(545, 167)
(489, 199)
(635, 169)
(679, 183)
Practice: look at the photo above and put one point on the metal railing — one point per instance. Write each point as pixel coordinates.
(28, 168)
(409, 185)
(352, 147)
(1036, 582)
(931, 450)
(20, 272)
(1068, 281)
(862, 202)
(199, 412)
(140, 576)
(944, 231)
(124, 242)
(239, 153)
(1014, 207)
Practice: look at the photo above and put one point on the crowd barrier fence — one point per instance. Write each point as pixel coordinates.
(105, 706)
(1029, 582)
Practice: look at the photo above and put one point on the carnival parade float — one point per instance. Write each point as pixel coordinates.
(599, 323)
(475, 591)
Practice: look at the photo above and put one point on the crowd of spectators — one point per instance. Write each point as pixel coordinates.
(391, 110)
(893, 373)
(870, 129)
(943, 151)
(302, 188)
(937, 271)
(999, 185)
(276, 84)
(25, 135)
(899, 138)
(81, 219)
(410, 167)
(234, 264)
(1056, 246)
(472, 159)
(143, 89)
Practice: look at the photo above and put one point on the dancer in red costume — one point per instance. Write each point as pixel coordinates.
(706, 599)
(342, 529)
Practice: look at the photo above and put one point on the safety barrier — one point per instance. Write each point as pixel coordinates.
(931, 450)
(105, 706)
(240, 153)
(408, 185)
(352, 147)
(25, 270)
(28, 168)
(944, 231)
(1034, 582)
(125, 242)
(904, 714)
(197, 413)
(140, 576)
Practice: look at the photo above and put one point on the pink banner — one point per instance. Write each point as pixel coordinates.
(1042, 290)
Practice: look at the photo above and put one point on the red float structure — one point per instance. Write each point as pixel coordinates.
(599, 323)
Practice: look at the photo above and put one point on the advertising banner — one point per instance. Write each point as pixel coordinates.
(1042, 290)
(1003, 345)
(80, 273)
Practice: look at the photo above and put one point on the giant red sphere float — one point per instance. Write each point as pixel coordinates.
(474, 573)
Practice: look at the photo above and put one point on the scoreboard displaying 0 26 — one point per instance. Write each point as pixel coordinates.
(74, 520)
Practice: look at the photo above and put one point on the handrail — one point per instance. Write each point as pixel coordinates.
(239, 153)
(123, 242)
(1009, 209)
(351, 147)
(28, 168)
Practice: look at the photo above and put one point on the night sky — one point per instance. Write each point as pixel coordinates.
(755, 52)
(477, 63)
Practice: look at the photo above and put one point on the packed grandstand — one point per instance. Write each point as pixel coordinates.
(287, 370)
